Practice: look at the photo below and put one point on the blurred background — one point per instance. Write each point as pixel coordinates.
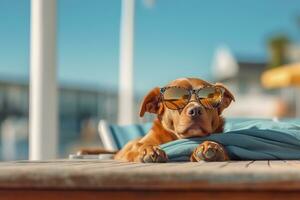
(233, 42)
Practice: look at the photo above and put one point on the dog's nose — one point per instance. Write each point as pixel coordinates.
(194, 111)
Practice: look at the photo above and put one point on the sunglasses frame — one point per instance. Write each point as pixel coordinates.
(191, 92)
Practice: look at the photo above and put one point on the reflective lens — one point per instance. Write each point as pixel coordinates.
(176, 98)
(210, 97)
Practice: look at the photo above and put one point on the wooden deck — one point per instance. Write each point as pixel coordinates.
(95, 179)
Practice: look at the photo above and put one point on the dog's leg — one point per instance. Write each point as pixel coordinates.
(139, 152)
(209, 151)
(152, 154)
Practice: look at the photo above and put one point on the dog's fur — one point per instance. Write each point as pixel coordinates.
(176, 124)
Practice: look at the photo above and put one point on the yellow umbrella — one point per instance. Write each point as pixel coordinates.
(284, 76)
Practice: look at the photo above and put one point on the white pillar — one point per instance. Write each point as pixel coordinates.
(126, 99)
(43, 89)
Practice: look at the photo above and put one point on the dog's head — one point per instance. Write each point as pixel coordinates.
(192, 119)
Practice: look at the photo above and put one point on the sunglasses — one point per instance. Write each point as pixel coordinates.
(177, 98)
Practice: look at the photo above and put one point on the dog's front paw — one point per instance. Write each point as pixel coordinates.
(152, 154)
(209, 151)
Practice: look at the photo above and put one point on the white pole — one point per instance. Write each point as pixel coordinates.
(126, 100)
(43, 89)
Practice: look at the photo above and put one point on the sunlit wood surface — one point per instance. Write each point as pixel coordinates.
(79, 179)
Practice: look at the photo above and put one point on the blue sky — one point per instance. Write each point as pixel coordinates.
(175, 38)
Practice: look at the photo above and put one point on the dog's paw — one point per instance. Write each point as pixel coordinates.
(152, 154)
(209, 151)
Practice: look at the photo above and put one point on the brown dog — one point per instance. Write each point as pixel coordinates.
(186, 107)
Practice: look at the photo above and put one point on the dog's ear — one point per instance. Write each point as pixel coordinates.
(151, 102)
(227, 98)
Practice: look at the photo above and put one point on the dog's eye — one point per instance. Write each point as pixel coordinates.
(210, 97)
(206, 92)
(176, 98)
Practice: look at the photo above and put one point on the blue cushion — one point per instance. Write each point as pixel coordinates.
(244, 139)
(247, 140)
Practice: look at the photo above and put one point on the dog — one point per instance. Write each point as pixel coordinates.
(186, 107)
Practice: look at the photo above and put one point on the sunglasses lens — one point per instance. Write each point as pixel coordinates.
(176, 98)
(210, 97)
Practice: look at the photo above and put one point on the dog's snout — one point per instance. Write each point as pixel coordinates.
(194, 111)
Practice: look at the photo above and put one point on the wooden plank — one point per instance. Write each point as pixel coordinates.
(172, 168)
(213, 164)
(293, 163)
(259, 164)
(233, 175)
(61, 166)
(165, 167)
(236, 165)
(278, 164)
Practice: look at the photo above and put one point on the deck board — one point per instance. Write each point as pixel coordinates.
(108, 179)
(108, 174)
